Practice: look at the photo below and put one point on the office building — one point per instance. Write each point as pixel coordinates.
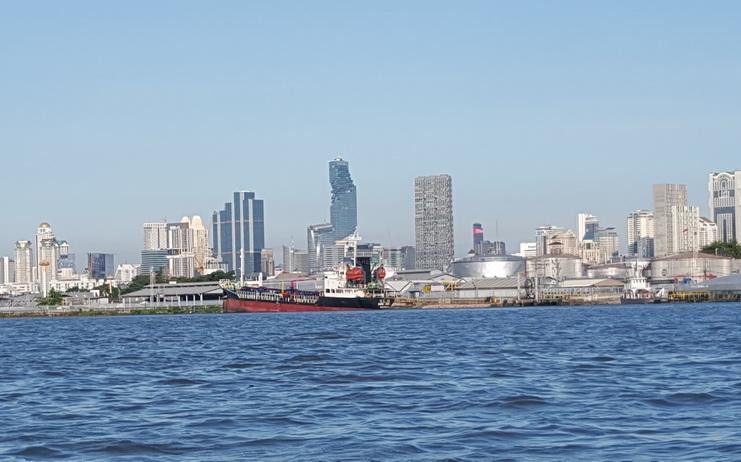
(295, 261)
(393, 259)
(478, 238)
(640, 225)
(155, 236)
(433, 220)
(491, 248)
(528, 250)
(198, 238)
(409, 257)
(665, 197)
(725, 204)
(154, 261)
(684, 233)
(267, 263)
(318, 238)
(554, 240)
(24, 262)
(100, 265)
(239, 234)
(707, 232)
(7, 270)
(587, 225)
(609, 243)
(181, 264)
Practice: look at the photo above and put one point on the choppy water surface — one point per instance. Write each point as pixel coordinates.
(602, 383)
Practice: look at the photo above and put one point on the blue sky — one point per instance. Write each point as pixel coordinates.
(114, 114)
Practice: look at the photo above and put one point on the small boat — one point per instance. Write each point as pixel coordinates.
(638, 290)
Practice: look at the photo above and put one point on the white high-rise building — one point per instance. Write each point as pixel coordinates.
(708, 232)
(23, 262)
(725, 204)
(528, 250)
(199, 242)
(684, 222)
(641, 226)
(186, 242)
(433, 221)
(126, 272)
(155, 236)
(43, 233)
(7, 270)
(666, 196)
(317, 239)
(182, 265)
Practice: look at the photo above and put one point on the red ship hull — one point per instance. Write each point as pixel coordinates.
(232, 305)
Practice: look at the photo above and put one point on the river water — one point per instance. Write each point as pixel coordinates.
(588, 383)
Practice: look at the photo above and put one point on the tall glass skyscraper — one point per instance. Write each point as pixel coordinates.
(240, 227)
(343, 210)
(100, 265)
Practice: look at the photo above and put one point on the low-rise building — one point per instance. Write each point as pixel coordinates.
(690, 266)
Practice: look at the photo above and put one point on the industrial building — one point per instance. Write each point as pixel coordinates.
(482, 266)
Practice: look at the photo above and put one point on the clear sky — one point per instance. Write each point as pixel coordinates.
(117, 113)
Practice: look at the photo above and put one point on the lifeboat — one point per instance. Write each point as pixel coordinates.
(355, 274)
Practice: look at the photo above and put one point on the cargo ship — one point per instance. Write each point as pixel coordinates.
(348, 288)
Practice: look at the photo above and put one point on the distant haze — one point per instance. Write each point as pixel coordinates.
(114, 114)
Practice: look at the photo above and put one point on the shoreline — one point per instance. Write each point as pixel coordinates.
(53, 312)
(64, 311)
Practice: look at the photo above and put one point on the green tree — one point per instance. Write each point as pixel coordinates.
(113, 293)
(725, 249)
(53, 298)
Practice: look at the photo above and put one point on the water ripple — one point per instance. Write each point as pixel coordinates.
(592, 383)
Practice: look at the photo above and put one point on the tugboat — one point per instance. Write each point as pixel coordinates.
(348, 288)
(638, 290)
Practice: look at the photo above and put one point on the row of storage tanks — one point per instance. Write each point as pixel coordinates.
(696, 266)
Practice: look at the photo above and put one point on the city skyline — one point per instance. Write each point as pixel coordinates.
(518, 111)
(461, 230)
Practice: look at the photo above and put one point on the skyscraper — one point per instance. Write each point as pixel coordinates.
(239, 234)
(100, 265)
(409, 257)
(318, 237)
(7, 270)
(433, 221)
(46, 259)
(23, 262)
(684, 226)
(478, 238)
(155, 236)
(707, 232)
(640, 224)
(343, 209)
(587, 225)
(725, 204)
(608, 241)
(666, 196)
(295, 261)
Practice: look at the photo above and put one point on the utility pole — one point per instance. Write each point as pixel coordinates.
(241, 267)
